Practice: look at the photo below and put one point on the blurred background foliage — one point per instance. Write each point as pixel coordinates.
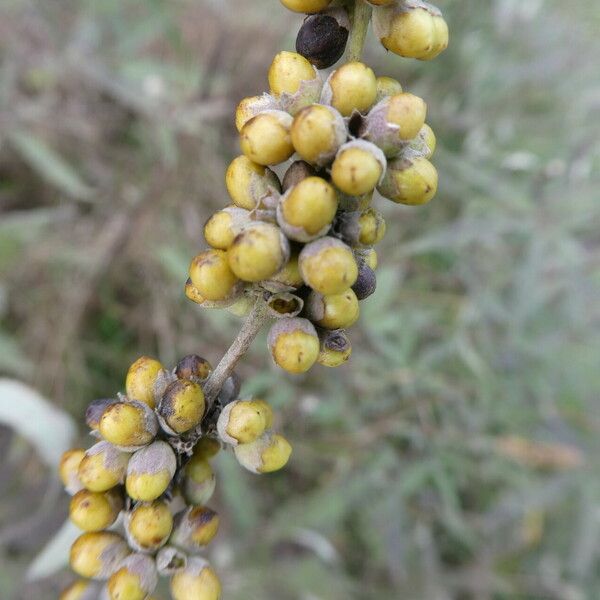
(457, 455)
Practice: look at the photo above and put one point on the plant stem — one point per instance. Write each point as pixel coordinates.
(361, 16)
(252, 325)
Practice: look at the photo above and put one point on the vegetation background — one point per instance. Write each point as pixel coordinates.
(457, 456)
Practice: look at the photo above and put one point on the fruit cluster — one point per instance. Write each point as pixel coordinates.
(139, 494)
(305, 241)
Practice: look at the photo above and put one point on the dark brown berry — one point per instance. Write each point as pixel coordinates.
(366, 282)
(322, 39)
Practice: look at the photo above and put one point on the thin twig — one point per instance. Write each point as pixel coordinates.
(252, 325)
(361, 17)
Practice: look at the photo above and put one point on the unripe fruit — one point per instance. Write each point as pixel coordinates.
(81, 590)
(244, 421)
(337, 311)
(150, 471)
(425, 142)
(322, 38)
(307, 210)
(128, 425)
(149, 526)
(394, 121)
(358, 167)
(290, 274)
(182, 406)
(140, 380)
(335, 348)
(317, 133)
(366, 283)
(387, 86)
(195, 527)
(212, 277)
(199, 482)
(265, 139)
(269, 453)
(368, 256)
(97, 555)
(95, 410)
(95, 511)
(193, 367)
(294, 344)
(220, 229)
(206, 448)
(248, 182)
(252, 106)
(103, 467)
(197, 581)
(287, 72)
(351, 87)
(135, 579)
(259, 251)
(328, 266)
(413, 29)
(365, 228)
(410, 181)
(284, 304)
(68, 469)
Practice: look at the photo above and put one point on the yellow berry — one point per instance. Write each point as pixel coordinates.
(361, 228)
(140, 380)
(243, 421)
(357, 168)
(335, 348)
(252, 106)
(294, 344)
(96, 555)
(259, 251)
(195, 527)
(409, 181)
(128, 424)
(413, 32)
(135, 578)
(149, 526)
(94, 511)
(103, 467)
(328, 266)
(199, 481)
(287, 72)
(370, 258)
(68, 469)
(387, 86)
(425, 142)
(290, 274)
(337, 311)
(80, 590)
(248, 182)
(351, 87)
(220, 229)
(407, 112)
(266, 140)
(182, 405)
(307, 210)
(206, 448)
(269, 453)
(150, 471)
(317, 133)
(197, 581)
(212, 277)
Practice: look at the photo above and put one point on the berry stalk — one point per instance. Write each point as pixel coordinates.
(252, 325)
(361, 17)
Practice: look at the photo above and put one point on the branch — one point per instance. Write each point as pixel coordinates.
(361, 17)
(252, 325)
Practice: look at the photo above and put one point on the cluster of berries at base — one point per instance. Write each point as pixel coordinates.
(139, 494)
(301, 229)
